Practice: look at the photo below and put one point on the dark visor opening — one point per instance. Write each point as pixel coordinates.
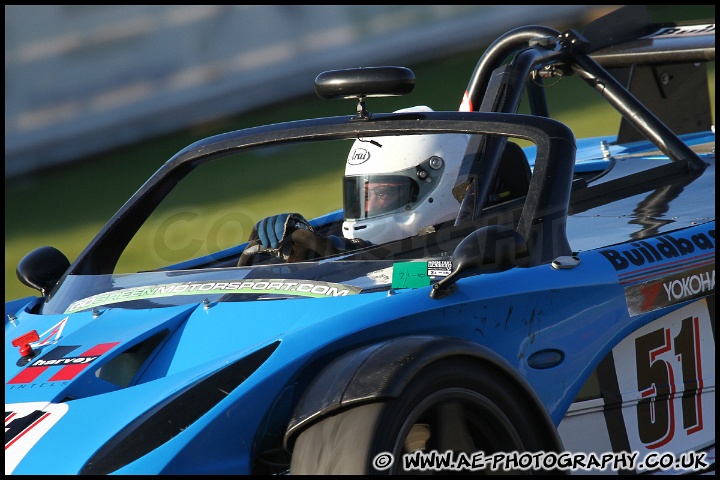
(366, 196)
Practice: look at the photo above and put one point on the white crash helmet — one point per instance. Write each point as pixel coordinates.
(413, 175)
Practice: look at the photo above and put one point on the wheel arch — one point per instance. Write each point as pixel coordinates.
(382, 370)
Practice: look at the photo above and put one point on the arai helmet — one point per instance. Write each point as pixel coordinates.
(395, 186)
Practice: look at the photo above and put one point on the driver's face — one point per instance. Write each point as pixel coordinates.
(378, 195)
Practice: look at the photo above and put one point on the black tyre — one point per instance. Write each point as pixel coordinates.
(451, 405)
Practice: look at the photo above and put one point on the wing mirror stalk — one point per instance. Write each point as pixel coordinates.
(490, 249)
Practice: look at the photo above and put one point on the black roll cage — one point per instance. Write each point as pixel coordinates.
(554, 167)
(496, 89)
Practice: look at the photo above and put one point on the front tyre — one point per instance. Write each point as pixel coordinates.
(451, 405)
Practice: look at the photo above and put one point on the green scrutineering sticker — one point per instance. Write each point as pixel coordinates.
(410, 275)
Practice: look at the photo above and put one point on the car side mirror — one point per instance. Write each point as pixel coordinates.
(42, 268)
(490, 249)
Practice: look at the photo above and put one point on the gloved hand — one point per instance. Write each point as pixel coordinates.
(290, 237)
(274, 231)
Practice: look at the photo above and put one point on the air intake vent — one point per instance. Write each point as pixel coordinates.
(172, 416)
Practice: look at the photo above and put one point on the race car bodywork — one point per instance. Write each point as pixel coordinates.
(576, 315)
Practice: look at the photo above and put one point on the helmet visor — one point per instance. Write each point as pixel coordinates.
(366, 196)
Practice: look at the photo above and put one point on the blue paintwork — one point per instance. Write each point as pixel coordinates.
(581, 313)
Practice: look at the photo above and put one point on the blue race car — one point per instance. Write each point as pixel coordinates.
(561, 321)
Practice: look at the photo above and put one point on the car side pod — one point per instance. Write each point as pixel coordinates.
(42, 268)
(490, 249)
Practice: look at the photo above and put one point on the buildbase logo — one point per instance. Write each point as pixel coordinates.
(61, 364)
(646, 253)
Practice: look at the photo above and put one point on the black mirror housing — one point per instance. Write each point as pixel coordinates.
(490, 249)
(42, 268)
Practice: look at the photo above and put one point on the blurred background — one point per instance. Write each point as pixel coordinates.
(84, 79)
(98, 97)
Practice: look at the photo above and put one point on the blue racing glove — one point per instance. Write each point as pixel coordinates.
(274, 231)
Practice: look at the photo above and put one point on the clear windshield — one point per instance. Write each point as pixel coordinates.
(169, 288)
